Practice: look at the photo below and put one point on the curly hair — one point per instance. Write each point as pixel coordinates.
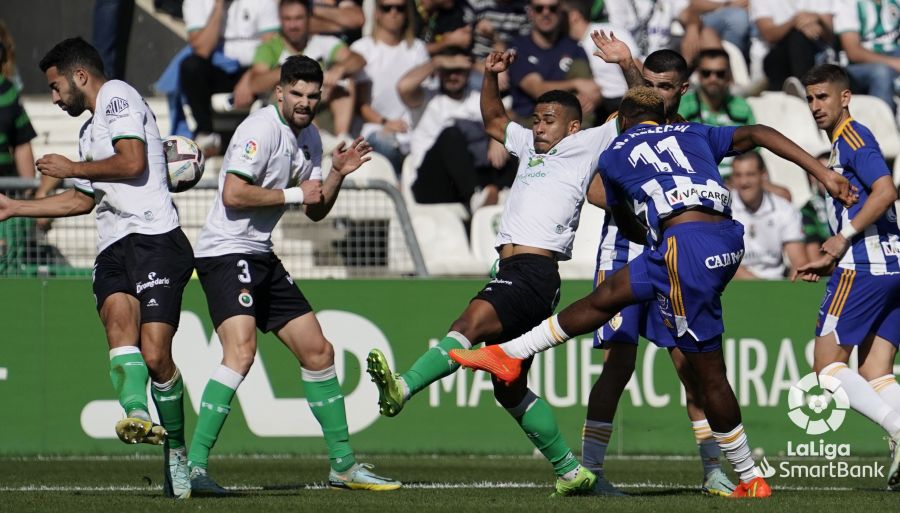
(645, 103)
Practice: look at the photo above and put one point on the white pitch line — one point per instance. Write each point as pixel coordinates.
(477, 485)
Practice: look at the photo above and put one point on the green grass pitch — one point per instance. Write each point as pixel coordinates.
(434, 484)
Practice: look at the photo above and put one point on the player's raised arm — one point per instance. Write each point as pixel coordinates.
(345, 159)
(492, 110)
(748, 137)
(614, 51)
(70, 203)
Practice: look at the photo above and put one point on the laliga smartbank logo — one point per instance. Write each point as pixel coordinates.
(817, 405)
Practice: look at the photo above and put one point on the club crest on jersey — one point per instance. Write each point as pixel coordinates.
(117, 107)
(616, 322)
(245, 299)
(250, 149)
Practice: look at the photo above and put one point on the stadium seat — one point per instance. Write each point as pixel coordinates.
(483, 233)
(442, 238)
(877, 116)
(587, 240)
(790, 116)
(408, 176)
(379, 168)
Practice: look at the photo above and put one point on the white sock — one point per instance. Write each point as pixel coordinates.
(888, 389)
(227, 376)
(541, 338)
(864, 398)
(709, 448)
(594, 441)
(737, 451)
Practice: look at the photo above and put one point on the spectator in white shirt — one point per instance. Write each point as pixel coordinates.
(237, 27)
(772, 226)
(389, 52)
(449, 144)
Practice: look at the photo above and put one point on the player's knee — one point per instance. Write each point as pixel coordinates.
(318, 355)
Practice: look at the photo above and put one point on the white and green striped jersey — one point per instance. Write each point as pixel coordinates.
(877, 23)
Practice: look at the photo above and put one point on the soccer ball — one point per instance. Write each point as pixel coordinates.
(184, 163)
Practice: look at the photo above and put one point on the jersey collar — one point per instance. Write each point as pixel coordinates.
(280, 117)
(840, 129)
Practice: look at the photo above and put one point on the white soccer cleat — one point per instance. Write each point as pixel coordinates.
(177, 474)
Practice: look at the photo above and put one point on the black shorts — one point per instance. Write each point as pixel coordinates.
(153, 268)
(251, 284)
(524, 293)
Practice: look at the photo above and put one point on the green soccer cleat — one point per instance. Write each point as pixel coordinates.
(135, 430)
(582, 484)
(177, 483)
(717, 483)
(390, 392)
(360, 477)
(894, 471)
(605, 488)
(203, 486)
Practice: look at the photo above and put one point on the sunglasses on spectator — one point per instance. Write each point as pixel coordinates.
(719, 73)
(540, 9)
(385, 8)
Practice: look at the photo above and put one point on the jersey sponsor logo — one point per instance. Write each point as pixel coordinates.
(535, 161)
(681, 195)
(891, 247)
(250, 149)
(151, 282)
(724, 259)
(117, 107)
(245, 299)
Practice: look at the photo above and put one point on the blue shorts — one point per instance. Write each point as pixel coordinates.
(857, 303)
(633, 322)
(686, 275)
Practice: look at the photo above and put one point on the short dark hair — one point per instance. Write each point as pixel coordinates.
(566, 99)
(73, 53)
(712, 53)
(304, 3)
(754, 156)
(829, 73)
(664, 61)
(643, 104)
(300, 67)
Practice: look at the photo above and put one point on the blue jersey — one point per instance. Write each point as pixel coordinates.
(857, 157)
(661, 170)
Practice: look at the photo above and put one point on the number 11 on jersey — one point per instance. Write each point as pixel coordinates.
(644, 153)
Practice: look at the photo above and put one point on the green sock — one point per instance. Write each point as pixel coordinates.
(536, 419)
(129, 376)
(215, 405)
(323, 393)
(435, 363)
(169, 400)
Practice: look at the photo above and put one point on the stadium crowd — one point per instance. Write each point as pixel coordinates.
(406, 75)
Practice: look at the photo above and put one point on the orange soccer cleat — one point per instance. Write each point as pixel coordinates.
(756, 488)
(489, 359)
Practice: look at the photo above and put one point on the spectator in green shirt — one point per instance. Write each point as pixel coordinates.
(295, 38)
(712, 102)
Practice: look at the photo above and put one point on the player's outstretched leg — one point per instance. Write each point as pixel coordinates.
(215, 405)
(169, 400)
(129, 376)
(395, 389)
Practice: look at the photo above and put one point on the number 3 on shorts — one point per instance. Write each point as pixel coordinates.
(244, 275)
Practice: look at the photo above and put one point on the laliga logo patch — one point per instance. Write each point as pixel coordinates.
(245, 299)
(250, 148)
(810, 411)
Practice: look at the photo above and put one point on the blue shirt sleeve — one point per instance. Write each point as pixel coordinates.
(868, 164)
(721, 140)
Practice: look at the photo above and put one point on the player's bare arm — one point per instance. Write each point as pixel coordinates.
(129, 161)
(751, 136)
(344, 160)
(69, 203)
(596, 194)
(614, 51)
(238, 193)
(492, 111)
